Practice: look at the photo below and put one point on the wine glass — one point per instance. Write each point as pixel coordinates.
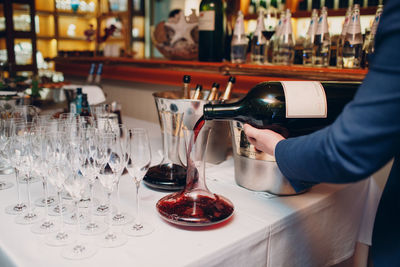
(58, 171)
(10, 150)
(23, 145)
(75, 185)
(109, 178)
(92, 161)
(25, 112)
(5, 137)
(139, 161)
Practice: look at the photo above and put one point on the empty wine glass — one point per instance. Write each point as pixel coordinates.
(23, 145)
(25, 112)
(58, 172)
(137, 166)
(5, 137)
(109, 178)
(75, 185)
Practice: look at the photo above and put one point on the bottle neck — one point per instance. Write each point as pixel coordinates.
(220, 111)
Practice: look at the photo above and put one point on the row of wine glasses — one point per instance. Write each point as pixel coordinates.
(70, 153)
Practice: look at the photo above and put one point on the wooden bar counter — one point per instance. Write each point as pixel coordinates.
(168, 72)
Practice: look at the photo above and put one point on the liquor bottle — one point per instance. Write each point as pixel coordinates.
(97, 79)
(309, 40)
(89, 79)
(352, 47)
(291, 108)
(342, 37)
(186, 88)
(275, 41)
(270, 27)
(214, 92)
(369, 44)
(239, 41)
(211, 31)
(76, 105)
(197, 92)
(228, 89)
(258, 42)
(286, 41)
(322, 41)
(85, 111)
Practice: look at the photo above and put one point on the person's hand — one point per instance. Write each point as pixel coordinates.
(264, 140)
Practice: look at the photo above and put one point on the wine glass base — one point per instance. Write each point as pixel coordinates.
(93, 228)
(41, 202)
(16, 209)
(55, 210)
(85, 203)
(6, 170)
(71, 218)
(112, 240)
(23, 180)
(138, 230)
(79, 251)
(102, 210)
(121, 218)
(5, 185)
(60, 239)
(45, 226)
(29, 217)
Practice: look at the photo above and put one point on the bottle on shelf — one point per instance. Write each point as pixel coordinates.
(278, 106)
(275, 40)
(239, 41)
(97, 79)
(186, 88)
(252, 7)
(76, 104)
(309, 40)
(342, 37)
(322, 41)
(90, 76)
(270, 26)
(352, 46)
(369, 44)
(258, 42)
(213, 92)
(197, 92)
(228, 90)
(286, 41)
(85, 111)
(211, 31)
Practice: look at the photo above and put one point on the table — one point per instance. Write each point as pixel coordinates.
(318, 228)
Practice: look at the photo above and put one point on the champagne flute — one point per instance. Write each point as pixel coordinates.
(109, 178)
(5, 137)
(138, 164)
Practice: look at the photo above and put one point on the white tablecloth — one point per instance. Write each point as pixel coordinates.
(318, 228)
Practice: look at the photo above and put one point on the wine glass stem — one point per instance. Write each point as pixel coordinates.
(28, 183)
(109, 212)
(46, 197)
(78, 224)
(60, 210)
(91, 188)
(118, 199)
(137, 217)
(17, 183)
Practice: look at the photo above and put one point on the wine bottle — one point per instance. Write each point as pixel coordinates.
(291, 108)
(85, 111)
(214, 92)
(211, 31)
(186, 88)
(352, 47)
(322, 41)
(239, 41)
(342, 37)
(258, 42)
(197, 92)
(97, 79)
(77, 108)
(89, 79)
(286, 41)
(369, 44)
(228, 89)
(309, 40)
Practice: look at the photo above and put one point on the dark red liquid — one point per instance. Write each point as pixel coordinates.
(197, 128)
(182, 208)
(170, 177)
(268, 34)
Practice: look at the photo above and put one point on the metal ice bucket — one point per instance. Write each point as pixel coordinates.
(256, 170)
(219, 142)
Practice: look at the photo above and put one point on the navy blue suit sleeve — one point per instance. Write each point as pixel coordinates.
(367, 133)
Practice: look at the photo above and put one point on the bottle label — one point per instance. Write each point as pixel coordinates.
(322, 26)
(354, 25)
(305, 99)
(207, 20)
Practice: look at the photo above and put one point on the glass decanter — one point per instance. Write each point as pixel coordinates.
(195, 205)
